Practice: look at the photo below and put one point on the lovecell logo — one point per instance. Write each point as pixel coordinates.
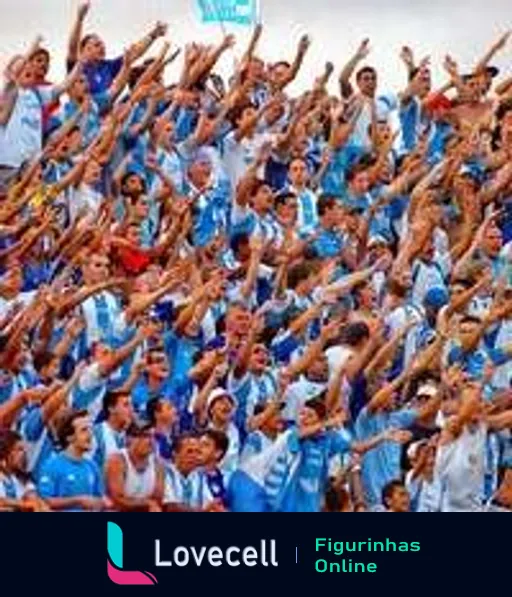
(115, 561)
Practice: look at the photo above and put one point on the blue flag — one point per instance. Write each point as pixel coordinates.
(241, 12)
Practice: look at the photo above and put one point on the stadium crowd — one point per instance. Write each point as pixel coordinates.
(217, 297)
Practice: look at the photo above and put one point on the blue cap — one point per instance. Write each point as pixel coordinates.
(436, 297)
(473, 170)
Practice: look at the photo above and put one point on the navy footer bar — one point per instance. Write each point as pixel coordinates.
(248, 552)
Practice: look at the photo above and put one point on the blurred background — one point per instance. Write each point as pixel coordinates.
(464, 28)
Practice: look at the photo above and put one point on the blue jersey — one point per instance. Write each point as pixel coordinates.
(307, 485)
(64, 477)
(101, 73)
(142, 394)
(215, 482)
(473, 363)
(333, 182)
(382, 464)
(328, 244)
(40, 446)
(90, 121)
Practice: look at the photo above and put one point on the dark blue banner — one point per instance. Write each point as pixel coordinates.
(231, 555)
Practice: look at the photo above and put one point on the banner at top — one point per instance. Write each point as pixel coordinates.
(241, 12)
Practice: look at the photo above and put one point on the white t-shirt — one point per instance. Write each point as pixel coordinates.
(87, 200)
(89, 391)
(425, 276)
(384, 105)
(338, 356)
(298, 394)
(460, 466)
(238, 156)
(427, 493)
(24, 299)
(21, 138)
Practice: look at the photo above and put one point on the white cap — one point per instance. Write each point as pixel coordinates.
(427, 389)
(219, 393)
(377, 239)
(412, 450)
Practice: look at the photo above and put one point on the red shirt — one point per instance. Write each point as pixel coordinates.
(134, 261)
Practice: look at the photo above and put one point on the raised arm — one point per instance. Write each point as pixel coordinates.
(348, 70)
(491, 52)
(341, 133)
(504, 86)
(244, 354)
(300, 323)
(452, 69)
(460, 301)
(313, 351)
(257, 249)
(201, 67)
(200, 410)
(141, 303)
(407, 57)
(294, 69)
(249, 124)
(84, 293)
(136, 371)
(470, 403)
(10, 410)
(71, 332)
(387, 352)
(69, 81)
(398, 436)
(119, 83)
(356, 364)
(109, 364)
(382, 158)
(462, 264)
(253, 43)
(412, 87)
(500, 182)
(75, 37)
(138, 49)
(58, 398)
(500, 421)
(8, 100)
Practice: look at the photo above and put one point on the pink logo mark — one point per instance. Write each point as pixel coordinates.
(115, 561)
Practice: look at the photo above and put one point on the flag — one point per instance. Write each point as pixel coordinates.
(241, 12)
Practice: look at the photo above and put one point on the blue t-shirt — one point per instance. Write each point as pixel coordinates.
(473, 363)
(307, 486)
(101, 73)
(328, 244)
(210, 215)
(382, 464)
(333, 182)
(142, 394)
(164, 445)
(215, 482)
(90, 121)
(63, 476)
